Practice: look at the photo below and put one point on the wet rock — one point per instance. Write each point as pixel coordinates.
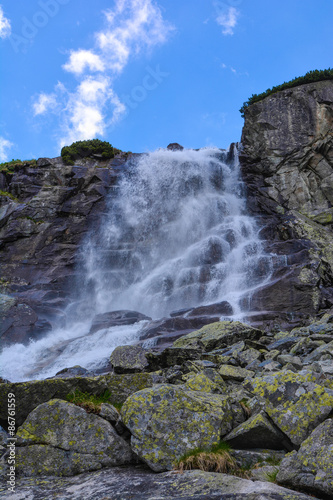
(74, 371)
(116, 318)
(171, 356)
(59, 438)
(221, 308)
(128, 359)
(174, 146)
(310, 467)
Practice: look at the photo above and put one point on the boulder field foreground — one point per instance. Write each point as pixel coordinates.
(251, 404)
(265, 398)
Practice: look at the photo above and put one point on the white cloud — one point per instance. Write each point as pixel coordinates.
(5, 27)
(133, 26)
(5, 145)
(81, 60)
(228, 20)
(44, 103)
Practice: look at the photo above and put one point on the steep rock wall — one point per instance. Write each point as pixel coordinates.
(287, 165)
(45, 212)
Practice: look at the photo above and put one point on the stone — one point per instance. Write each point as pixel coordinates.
(221, 308)
(200, 382)
(170, 356)
(60, 438)
(128, 359)
(31, 394)
(122, 483)
(218, 335)
(228, 372)
(174, 146)
(249, 459)
(116, 318)
(109, 413)
(167, 421)
(257, 432)
(295, 402)
(310, 467)
(265, 473)
(121, 386)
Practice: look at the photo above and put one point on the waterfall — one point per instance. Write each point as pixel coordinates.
(176, 235)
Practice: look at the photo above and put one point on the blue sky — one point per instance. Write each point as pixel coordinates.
(143, 73)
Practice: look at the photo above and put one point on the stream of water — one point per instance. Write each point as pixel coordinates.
(176, 235)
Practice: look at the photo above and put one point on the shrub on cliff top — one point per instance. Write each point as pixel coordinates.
(83, 149)
(310, 77)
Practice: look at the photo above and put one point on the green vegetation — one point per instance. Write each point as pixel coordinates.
(271, 476)
(8, 167)
(217, 459)
(311, 76)
(83, 149)
(9, 195)
(90, 402)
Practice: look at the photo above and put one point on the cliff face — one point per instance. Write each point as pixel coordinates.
(287, 164)
(45, 212)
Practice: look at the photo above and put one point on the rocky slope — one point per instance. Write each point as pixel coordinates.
(269, 397)
(287, 165)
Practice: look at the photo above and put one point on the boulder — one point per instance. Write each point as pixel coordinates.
(257, 432)
(31, 394)
(60, 438)
(116, 318)
(128, 359)
(295, 402)
(218, 335)
(122, 483)
(310, 468)
(228, 372)
(167, 421)
(121, 386)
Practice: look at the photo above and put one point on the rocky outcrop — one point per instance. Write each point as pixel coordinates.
(46, 210)
(139, 484)
(287, 165)
(269, 396)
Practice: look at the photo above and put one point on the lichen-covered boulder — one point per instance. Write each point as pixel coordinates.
(123, 385)
(294, 401)
(228, 372)
(60, 438)
(31, 394)
(200, 382)
(128, 359)
(311, 467)
(167, 421)
(217, 335)
(256, 432)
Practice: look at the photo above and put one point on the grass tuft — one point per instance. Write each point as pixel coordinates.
(217, 459)
(90, 402)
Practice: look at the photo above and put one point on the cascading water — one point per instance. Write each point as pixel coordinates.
(176, 236)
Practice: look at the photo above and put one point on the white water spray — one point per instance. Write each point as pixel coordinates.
(176, 236)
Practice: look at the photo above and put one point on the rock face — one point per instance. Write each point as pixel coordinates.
(287, 164)
(311, 466)
(48, 209)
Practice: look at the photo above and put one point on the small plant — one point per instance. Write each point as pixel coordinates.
(310, 77)
(271, 476)
(8, 167)
(9, 195)
(217, 459)
(90, 402)
(245, 407)
(84, 149)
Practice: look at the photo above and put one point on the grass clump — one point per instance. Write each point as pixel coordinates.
(271, 476)
(8, 167)
(9, 195)
(84, 149)
(310, 77)
(217, 459)
(90, 402)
